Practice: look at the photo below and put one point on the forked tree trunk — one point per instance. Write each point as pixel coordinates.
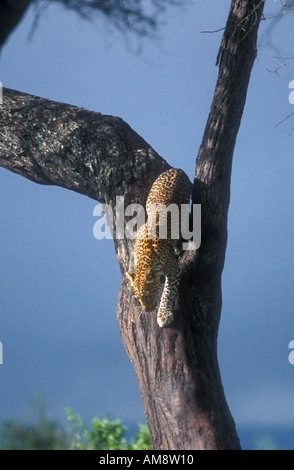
(102, 157)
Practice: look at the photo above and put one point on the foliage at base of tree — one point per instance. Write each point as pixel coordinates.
(105, 435)
(38, 431)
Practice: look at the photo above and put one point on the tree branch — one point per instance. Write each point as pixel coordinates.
(235, 58)
(90, 153)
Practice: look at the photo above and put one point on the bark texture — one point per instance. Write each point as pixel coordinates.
(102, 157)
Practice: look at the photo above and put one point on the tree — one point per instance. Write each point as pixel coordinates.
(102, 157)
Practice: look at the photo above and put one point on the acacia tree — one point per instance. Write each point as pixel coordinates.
(102, 157)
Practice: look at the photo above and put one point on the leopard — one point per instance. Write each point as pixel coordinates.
(156, 257)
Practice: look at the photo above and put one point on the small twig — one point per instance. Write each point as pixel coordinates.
(212, 32)
(282, 12)
(283, 120)
(276, 71)
(283, 58)
(289, 135)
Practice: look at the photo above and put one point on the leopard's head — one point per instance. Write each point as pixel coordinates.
(146, 284)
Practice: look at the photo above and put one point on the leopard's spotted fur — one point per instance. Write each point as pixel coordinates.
(156, 257)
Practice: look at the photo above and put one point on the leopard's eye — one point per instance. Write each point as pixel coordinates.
(149, 275)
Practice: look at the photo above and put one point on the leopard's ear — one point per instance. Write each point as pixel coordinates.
(131, 277)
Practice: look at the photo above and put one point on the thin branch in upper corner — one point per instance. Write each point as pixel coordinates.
(283, 120)
(276, 71)
(274, 20)
(283, 58)
(212, 32)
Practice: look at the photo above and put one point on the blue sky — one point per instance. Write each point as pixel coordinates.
(59, 285)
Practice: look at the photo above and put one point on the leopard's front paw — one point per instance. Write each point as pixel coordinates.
(164, 318)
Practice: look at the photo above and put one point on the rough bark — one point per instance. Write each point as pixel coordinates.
(93, 154)
(102, 157)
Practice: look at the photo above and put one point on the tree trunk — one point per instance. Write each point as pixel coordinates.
(102, 157)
